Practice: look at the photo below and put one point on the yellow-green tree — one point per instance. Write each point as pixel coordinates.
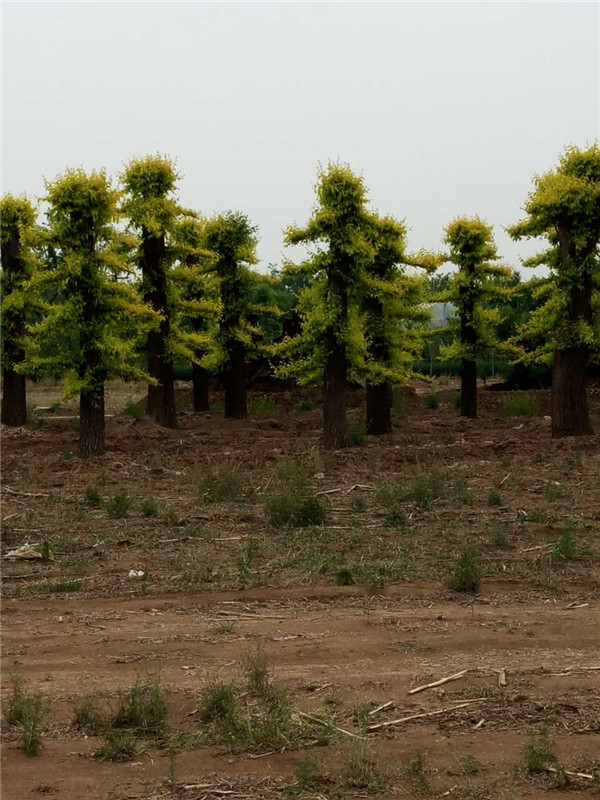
(473, 250)
(331, 348)
(90, 336)
(395, 312)
(564, 209)
(18, 301)
(231, 238)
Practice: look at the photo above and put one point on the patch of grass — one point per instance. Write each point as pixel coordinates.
(92, 497)
(542, 516)
(88, 715)
(357, 437)
(195, 571)
(566, 548)
(554, 491)
(428, 488)
(460, 495)
(218, 703)
(133, 410)
(25, 709)
(344, 577)
(399, 407)
(246, 557)
(219, 484)
(539, 751)
(417, 774)
(432, 400)
(469, 765)
(222, 628)
(518, 404)
(294, 506)
(495, 499)
(362, 772)
(142, 709)
(306, 404)
(117, 745)
(265, 404)
(63, 585)
(499, 538)
(467, 576)
(149, 507)
(358, 505)
(118, 504)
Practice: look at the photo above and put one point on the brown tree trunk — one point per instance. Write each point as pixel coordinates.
(235, 380)
(379, 406)
(335, 424)
(570, 407)
(468, 388)
(14, 398)
(91, 424)
(160, 403)
(200, 382)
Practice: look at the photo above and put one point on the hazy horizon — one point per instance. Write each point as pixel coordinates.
(445, 108)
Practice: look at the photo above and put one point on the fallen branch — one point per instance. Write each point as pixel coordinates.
(384, 707)
(537, 547)
(454, 677)
(389, 724)
(569, 773)
(328, 491)
(505, 478)
(327, 724)
(24, 494)
(502, 677)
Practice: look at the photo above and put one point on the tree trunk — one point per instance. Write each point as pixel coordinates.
(200, 378)
(91, 424)
(234, 378)
(379, 405)
(335, 424)
(468, 388)
(14, 398)
(570, 407)
(160, 403)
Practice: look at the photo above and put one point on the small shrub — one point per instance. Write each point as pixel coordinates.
(92, 497)
(417, 773)
(195, 571)
(88, 715)
(566, 547)
(219, 484)
(399, 406)
(118, 745)
(495, 499)
(306, 404)
(539, 751)
(428, 488)
(344, 577)
(261, 405)
(142, 709)
(499, 538)
(391, 497)
(432, 400)
(291, 509)
(460, 494)
(46, 551)
(118, 504)
(362, 773)
(26, 710)
(357, 437)
(133, 410)
(518, 404)
(149, 507)
(217, 703)
(358, 505)
(467, 577)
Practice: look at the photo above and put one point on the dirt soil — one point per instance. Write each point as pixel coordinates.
(348, 616)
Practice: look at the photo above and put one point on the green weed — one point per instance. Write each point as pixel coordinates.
(262, 405)
(92, 497)
(142, 709)
(467, 576)
(149, 507)
(118, 745)
(118, 504)
(306, 404)
(133, 410)
(432, 400)
(219, 484)
(26, 710)
(518, 404)
(495, 499)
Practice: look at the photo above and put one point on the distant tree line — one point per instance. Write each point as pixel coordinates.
(122, 281)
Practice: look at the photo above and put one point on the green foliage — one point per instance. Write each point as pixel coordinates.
(117, 745)
(539, 751)
(432, 400)
(219, 484)
(494, 498)
(357, 437)
(26, 710)
(361, 772)
(566, 547)
(499, 539)
(306, 404)
(467, 577)
(119, 504)
(564, 209)
(262, 405)
(149, 507)
(89, 716)
(399, 407)
(518, 404)
(142, 709)
(92, 497)
(64, 585)
(344, 577)
(292, 507)
(428, 488)
(217, 703)
(133, 410)
(478, 280)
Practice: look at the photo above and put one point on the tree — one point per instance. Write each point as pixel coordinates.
(394, 309)
(564, 208)
(232, 239)
(90, 336)
(472, 250)
(153, 212)
(198, 305)
(18, 302)
(331, 348)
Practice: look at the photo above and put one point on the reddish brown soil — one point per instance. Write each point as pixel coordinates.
(208, 600)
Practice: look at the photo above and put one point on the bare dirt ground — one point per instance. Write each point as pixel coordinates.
(348, 616)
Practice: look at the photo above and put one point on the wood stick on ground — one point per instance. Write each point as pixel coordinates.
(392, 722)
(570, 774)
(479, 724)
(454, 677)
(538, 547)
(24, 494)
(502, 677)
(328, 491)
(327, 724)
(505, 478)
(384, 707)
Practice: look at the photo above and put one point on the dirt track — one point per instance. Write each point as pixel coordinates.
(331, 647)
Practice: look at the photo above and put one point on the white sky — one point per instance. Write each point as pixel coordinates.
(445, 108)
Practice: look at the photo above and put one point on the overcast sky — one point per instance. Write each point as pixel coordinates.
(445, 108)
